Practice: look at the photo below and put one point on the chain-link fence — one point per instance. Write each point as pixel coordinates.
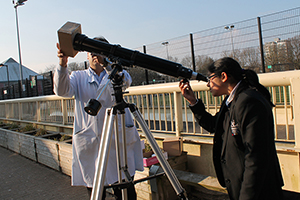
(267, 43)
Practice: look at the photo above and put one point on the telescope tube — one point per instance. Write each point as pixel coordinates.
(83, 43)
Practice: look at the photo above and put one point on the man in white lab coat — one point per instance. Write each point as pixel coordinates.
(85, 85)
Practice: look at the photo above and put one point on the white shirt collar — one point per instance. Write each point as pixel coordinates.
(232, 94)
(96, 78)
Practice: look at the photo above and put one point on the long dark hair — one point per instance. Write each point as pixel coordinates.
(235, 73)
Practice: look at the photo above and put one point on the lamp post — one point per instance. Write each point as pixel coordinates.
(16, 4)
(166, 45)
(230, 28)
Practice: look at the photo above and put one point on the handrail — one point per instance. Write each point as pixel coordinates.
(165, 110)
(266, 79)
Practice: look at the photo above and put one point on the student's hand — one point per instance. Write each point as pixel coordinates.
(63, 59)
(187, 91)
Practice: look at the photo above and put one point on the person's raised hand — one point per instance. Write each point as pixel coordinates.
(63, 59)
(187, 91)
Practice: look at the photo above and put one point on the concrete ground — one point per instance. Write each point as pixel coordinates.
(21, 178)
(24, 179)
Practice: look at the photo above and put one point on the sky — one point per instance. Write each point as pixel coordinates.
(130, 23)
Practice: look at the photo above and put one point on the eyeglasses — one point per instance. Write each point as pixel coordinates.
(210, 77)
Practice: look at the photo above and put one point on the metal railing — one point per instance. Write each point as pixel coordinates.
(165, 111)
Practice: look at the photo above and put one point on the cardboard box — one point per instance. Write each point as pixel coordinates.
(173, 145)
(66, 36)
(148, 161)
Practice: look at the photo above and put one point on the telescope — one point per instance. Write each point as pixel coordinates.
(71, 41)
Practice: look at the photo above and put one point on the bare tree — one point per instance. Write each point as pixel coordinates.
(74, 67)
(250, 58)
(202, 62)
(187, 61)
(294, 54)
(138, 76)
(49, 68)
(173, 59)
(227, 53)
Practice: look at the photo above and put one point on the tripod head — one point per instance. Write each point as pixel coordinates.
(93, 105)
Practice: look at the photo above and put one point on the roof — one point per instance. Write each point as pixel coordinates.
(14, 71)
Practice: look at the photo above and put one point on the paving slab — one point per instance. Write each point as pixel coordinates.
(22, 178)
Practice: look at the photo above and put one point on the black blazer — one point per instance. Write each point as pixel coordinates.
(244, 152)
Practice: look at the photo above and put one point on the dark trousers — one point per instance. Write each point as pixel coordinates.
(131, 194)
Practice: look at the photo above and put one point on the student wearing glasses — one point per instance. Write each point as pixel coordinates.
(244, 152)
(85, 85)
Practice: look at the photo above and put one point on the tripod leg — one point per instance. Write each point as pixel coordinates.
(125, 164)
(117, 143)
(119, 163)
(164, 164)
(103, 156)
(125, 160)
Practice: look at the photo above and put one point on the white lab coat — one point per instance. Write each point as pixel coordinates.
(88, 129)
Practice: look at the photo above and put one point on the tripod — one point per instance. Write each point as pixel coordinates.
(110, 122)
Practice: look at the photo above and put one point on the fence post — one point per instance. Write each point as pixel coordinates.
(38, 111)
(192, 52)
(295, 82)
(261, 45)
(27, 88)
(8, 92)
(51, 82)
(178, 112)
(20, 110)
(36, 85)
(6, 111)
(43, 85)
(20, 89)
(146, 71)
(64, 111)
(13, 91)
